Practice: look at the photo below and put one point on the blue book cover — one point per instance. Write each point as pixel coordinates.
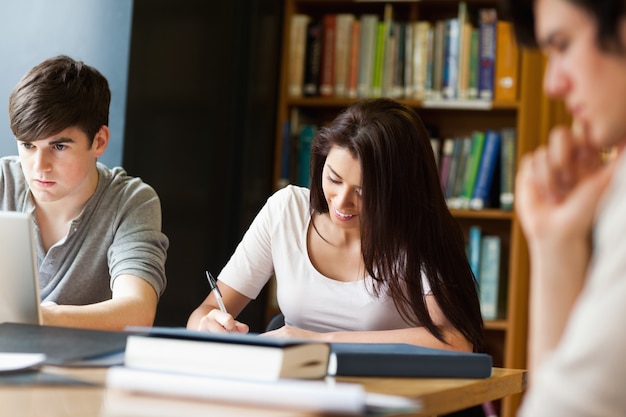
(489, 277)
(404, 360)
(487, 52)
(507, 168)
(487, 170)
(304, 155)
(451, 59)
(475, 238)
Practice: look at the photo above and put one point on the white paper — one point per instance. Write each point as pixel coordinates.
(319, 395)
(10, 362)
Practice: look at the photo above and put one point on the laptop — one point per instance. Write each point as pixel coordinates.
(19, 283)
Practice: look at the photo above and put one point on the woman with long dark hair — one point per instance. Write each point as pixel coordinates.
(369, 254)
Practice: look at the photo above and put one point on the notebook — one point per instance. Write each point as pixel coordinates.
(19, 283)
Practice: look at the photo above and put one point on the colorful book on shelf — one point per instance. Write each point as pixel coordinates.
(379, 59)
(343, 41)
(490, 277)
(404, 360)
(323, 397)
(464, 61)
(507, 168)
(410, 50)
(367, 53)
(297, 47)
(420, 58)
(312, 60)
(487, 22)
(507, 63)
(465, 154)
(430, 59)
(472, 89)
(478, 143)
(389, 54)
(438, 60)
(486, 175)
(444, 165)
(305, 140)
(450, 75)
(225, 355)
(473, 249)
(353, 67)
(454, 167)
(327, 74)
(398, 59)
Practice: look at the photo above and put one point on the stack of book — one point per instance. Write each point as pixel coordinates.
(241, 369)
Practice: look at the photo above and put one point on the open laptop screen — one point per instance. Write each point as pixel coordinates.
(19, 283)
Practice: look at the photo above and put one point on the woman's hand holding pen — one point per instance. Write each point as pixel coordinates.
(217, 321)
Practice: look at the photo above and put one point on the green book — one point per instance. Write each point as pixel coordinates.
(478, 142)
(507, 168)
(379, 60)
(489, 278)
(472, 91)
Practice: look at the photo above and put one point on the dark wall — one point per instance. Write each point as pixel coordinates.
(200, 129)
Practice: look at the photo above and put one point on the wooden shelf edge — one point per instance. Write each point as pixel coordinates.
(472, 105)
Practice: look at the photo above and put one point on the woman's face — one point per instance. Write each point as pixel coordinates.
(591, 81)
(341, 183)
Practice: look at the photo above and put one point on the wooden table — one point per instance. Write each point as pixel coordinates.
(438, 396)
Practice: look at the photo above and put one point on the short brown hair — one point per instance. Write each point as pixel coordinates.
(56, 94)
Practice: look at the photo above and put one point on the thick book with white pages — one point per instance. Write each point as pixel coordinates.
(240, 356)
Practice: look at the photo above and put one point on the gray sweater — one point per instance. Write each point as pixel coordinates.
(118, 232)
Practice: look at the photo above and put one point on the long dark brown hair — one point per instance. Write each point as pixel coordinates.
(406, 227)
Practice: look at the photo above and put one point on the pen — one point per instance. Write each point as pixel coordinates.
(218, 294)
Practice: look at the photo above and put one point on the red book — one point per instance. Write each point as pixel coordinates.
(327, 76)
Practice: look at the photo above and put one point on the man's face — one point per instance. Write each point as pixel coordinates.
(591, 81)
(61, 167)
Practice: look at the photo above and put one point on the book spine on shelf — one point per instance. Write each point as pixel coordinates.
(297, 47)
(353, 68)
(438, 59)
(463, 42)
(486, 171)
(487, 52)
(478, 142)
(454, 165)
(313, 59)
(474, 243)
(343, 32)
(446, 159)
(307, 133)
(489, 276)
(507, 63)
(379, 59)
(327, 76)
(459, 181)
(410, 28)
(472, 89)
(367, 54)
(507, 168)
(450, 74)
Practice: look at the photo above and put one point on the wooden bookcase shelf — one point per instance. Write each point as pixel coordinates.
(531, 115)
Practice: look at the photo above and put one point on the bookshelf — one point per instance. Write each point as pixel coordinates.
(531, 114)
